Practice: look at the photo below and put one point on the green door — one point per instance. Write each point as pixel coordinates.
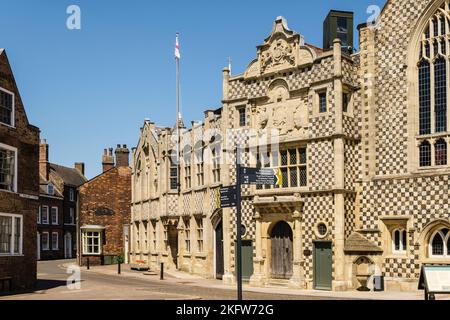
(247, 259)
(322, 265)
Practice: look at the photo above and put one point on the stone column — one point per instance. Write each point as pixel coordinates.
(258, 278)
(228, 277)
(339, 149)
(298, 277)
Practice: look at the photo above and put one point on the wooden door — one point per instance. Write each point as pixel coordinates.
(282, 252)
(173, 244)
(219, 252)
(323, 265)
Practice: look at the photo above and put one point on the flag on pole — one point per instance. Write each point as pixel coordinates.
(177, 49)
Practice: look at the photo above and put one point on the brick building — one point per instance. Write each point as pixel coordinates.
(362, 145)
(104, 210)
(19, 184)
(57, 212)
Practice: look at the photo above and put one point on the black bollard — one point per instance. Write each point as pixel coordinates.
(88, 266)
(118, 268)
(162, 272)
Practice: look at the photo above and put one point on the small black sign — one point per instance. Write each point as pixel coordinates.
(255, 176)
(228, 197)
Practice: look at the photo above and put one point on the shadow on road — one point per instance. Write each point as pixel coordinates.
(41, 285)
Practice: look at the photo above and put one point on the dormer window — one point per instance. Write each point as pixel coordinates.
(6, 107)
(50, 189)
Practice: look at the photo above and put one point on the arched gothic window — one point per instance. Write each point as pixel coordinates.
(440, 244)
(433, 66)
(440, 149)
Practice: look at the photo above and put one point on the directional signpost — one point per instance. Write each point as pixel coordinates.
(262, 177)
(227, 197)
(231, 197)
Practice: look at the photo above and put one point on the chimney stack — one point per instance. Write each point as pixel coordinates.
(79, 166)
(122, 156)
(44, 165)
(108, 160)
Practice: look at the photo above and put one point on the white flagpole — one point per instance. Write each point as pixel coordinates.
(177, 60)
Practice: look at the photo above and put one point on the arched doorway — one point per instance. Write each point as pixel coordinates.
(68, 245)
(282, 252)
(219, 251)
(172, 234)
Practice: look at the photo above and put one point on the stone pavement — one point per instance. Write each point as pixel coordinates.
(197, 281)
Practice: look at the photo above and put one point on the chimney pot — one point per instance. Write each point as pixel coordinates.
(80, 167)
(122, 156)
(44, 165)
(107, 160)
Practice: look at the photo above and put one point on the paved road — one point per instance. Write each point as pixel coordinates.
(95, 286)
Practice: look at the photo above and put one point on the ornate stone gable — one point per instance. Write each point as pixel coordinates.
(283, 49)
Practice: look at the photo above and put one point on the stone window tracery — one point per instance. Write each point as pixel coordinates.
(434, 96)
(439, 246)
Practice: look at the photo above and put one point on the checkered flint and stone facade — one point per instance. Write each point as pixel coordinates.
(361, 144)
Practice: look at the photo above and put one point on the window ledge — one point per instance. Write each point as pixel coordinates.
(8, 125)
(200, 255)
(7, 191)
(8, 255)
(436, 260)
(397, 256)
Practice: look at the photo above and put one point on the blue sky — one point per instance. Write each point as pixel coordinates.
(90, 89)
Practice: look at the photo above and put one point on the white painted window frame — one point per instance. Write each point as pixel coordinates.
(45, 246)
(13, 234)
(50, 185)
(13, 149)
(57, 241)
(13, 114)
(84, 242)
(39, 216)
(401, 250)
(55, 223)
(72, 216)
(445, 239)
(47, 215)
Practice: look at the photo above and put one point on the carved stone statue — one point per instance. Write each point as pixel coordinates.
(263, 118)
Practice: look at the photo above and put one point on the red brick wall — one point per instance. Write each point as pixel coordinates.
(109, 193)
(25, 138)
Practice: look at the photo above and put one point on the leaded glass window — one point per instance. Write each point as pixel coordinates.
(292, 163)
(7, 169)
(432, 67)
(6, 107)
(440, 149)
(424, 98)
(440, 94)
(425, 154)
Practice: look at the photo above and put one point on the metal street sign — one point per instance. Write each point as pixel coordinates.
(227, 197)
(255, 176)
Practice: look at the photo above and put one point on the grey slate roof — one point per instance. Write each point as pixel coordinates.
(357, 243)
(70, 176)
